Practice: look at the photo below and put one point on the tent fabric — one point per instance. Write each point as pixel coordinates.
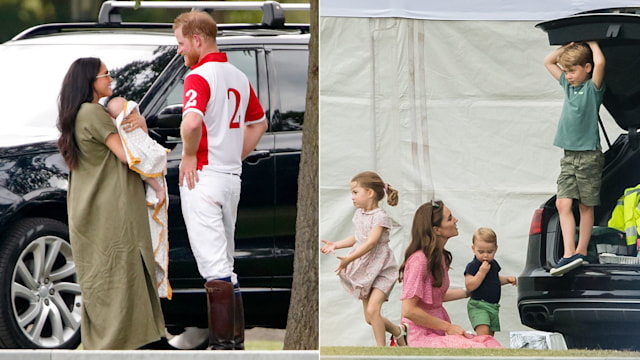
(462, 111)
(466, 10)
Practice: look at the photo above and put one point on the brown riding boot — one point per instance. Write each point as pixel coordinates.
(238, 335)
(220, 300)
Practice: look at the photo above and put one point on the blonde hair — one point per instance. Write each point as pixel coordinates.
(575, 54)
(373, 181)
(485, 234)
(196, 22)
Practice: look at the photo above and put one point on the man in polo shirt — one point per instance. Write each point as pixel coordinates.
(222, 122)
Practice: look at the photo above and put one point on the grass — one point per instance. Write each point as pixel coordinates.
(407, 351)
(263, 345)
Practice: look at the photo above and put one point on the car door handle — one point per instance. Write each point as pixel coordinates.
(256, 156)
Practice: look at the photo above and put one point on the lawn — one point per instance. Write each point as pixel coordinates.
(263, 345)
(489, 353)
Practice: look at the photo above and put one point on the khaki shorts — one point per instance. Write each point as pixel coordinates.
(581, 176)
(483, 313)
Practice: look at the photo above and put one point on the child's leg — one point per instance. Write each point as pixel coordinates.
(567, 225)
(586, 226)
(483, 329)
(379, 323)
(157, 187)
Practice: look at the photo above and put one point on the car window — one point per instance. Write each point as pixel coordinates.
(33, 93)
(245, 60)
(291, 74)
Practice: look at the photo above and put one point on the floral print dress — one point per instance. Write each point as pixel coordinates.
(377, 268)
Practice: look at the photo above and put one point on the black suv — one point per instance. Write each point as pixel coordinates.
(597, 305)
(40, 301)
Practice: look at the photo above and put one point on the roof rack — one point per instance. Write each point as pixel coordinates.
(272, 11)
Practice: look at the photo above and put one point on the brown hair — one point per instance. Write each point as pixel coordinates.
(575, 54)
(485, 234)
(77, 88)
(373, 181)
(426, 217)
(196, 22)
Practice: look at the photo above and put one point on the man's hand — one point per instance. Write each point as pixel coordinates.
(188, 169)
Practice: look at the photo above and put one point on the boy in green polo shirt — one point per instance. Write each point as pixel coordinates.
(579, 68)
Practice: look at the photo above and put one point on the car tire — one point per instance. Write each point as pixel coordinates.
(41, 306)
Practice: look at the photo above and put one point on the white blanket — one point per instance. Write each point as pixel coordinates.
(149, 159)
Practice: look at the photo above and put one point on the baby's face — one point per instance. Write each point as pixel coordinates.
(484, 251)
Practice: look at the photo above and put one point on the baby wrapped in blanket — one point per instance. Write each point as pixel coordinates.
(149, 159)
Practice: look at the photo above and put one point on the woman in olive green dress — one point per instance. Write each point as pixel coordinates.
(108, 225)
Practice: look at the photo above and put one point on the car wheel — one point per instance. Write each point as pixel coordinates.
(41, 307)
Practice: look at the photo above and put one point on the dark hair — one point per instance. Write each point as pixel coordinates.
(373, 181)
(77, 88)
(426, 217)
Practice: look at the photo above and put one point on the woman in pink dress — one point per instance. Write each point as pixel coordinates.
(424, 274)
(369, 271)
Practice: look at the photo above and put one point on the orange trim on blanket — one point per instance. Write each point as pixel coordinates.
(157, 209)
(135, 160)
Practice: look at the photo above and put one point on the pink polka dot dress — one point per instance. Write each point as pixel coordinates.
(417, 282)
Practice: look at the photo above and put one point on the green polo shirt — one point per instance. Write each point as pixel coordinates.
(578, 125)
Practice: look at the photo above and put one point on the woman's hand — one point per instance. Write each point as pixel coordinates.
(134, 121)
(329, 247)
(454, 329)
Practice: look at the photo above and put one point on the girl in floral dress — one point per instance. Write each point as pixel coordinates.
(369, 271)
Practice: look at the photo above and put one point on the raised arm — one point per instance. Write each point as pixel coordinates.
(598, 64)
(551, 62)
(472, 282)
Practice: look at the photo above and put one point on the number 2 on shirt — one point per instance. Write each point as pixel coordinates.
(235, 122)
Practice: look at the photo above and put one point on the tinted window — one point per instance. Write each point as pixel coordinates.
(32, 77)
(133, 79)
(245, 60)
(291, 75)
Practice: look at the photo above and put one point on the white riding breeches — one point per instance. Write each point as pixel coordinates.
(210, 210)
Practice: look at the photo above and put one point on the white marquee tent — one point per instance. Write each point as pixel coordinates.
(445, 100)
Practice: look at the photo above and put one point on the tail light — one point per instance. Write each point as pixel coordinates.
(536, 223)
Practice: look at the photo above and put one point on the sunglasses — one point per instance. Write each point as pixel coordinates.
(434, 204)
(103, 75)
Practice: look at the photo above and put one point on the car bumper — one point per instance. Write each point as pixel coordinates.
(593, 298)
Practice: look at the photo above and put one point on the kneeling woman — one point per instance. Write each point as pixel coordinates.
(425, 278)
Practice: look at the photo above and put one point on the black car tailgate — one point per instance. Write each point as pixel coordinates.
(619, 37)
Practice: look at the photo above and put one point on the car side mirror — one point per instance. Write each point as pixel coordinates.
(170, 117)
